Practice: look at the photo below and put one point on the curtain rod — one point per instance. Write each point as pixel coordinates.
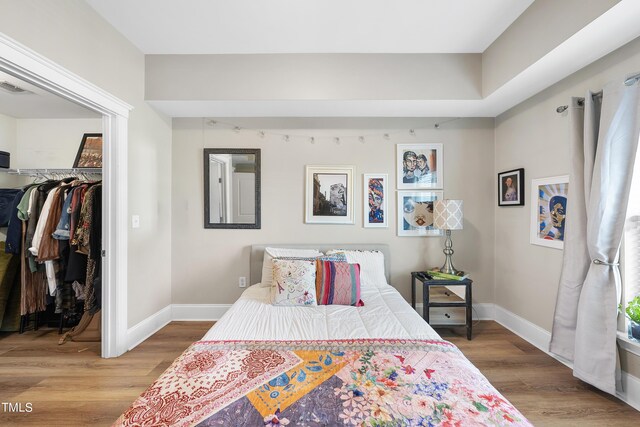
(629, 81)
(562, 108)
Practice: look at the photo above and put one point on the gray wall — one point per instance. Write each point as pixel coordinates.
(532, 135)
(77, 38)
(206, 264)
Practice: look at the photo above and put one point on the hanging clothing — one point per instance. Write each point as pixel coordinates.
(7, 195)
(14, 231)
(64, 225)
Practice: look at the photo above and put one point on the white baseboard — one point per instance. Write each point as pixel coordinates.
(631, 394)
(531, 332)
(198, 311)
(149, 326)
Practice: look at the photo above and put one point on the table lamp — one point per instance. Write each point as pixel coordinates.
(447, 216)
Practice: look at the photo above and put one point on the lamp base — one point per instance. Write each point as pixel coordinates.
(448, 267)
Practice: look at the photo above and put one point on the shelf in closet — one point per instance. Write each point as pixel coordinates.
(45, 171)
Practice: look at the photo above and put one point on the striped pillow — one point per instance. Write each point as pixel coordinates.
(338, 283)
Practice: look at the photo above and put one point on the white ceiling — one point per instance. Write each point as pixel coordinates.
(310, 26)
(38, 103)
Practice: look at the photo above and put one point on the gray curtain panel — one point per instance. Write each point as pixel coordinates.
(604, 142)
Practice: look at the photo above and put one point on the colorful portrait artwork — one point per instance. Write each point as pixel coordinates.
(415, 213)
(419, 166)
(375, 201)
(511, 188)
(550, 212)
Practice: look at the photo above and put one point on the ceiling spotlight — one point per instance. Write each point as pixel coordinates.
(236, 129)
(286, 138)
(386, 136)
(261, 134)
(337, 140)
(412, 132)
(437, 126)
(361, 139)
(211, 122)
(312, 140)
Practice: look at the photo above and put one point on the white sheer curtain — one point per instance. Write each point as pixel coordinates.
(604, 142)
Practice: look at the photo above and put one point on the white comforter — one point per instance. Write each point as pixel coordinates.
(385, 315)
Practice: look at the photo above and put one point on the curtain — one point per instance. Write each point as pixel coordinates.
(604, 141)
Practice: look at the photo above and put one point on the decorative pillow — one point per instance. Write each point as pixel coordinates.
(270, 253)
(371, 266)
(338, 283)
(294, 282)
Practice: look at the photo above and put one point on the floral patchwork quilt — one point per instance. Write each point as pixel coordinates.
(368, 382)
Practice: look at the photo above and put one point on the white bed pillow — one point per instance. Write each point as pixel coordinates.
(294, 282)
(270, 253)
(371, 266)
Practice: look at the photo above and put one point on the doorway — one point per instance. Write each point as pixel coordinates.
(21, 62)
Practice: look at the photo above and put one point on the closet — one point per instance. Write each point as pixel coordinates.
(50, 215)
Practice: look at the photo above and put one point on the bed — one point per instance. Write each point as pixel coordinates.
(378, 365)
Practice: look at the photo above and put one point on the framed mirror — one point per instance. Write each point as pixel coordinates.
(231, 188)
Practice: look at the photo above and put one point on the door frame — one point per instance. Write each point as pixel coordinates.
(22, 62)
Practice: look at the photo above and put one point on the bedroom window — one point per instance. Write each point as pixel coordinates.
(630, 257)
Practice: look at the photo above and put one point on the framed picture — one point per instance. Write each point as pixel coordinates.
(419, 166)
(549, 210)
(329, 194)
(375, 200)
(90, 151)
(511, 188)
(415, 213)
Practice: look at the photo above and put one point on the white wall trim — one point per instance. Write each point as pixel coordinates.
(22, 62)
(531, 332)
(149, 326)
(631, 394)
(198, 311)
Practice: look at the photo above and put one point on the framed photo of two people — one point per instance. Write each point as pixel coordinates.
(419, 166)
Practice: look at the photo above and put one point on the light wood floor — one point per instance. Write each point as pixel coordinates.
(70, 385)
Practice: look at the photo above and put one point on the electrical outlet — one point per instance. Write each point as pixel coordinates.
(242, 282)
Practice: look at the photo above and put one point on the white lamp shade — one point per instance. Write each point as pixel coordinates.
(447, 214)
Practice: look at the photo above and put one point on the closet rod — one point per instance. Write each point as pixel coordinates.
(629, 81)
(70, 171)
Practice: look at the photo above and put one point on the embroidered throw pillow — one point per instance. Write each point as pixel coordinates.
(294, 282)
(338, 283)
(270, 253)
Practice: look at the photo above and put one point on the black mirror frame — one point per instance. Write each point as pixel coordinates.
(207, 152)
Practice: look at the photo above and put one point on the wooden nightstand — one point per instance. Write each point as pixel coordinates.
(427, 304)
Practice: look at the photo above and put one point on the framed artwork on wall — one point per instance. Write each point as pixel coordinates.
(329, 194)
(419, 166)
(375, 203)
(415, 213)
(90, 151)
(549, 210)
(511, 188)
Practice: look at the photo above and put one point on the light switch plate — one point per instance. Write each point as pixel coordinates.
(135, 221)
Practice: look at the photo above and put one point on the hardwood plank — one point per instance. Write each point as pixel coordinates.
(70, 385)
